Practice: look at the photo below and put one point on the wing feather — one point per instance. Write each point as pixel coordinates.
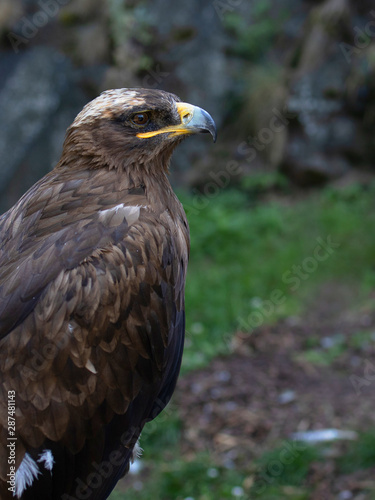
(91, 320)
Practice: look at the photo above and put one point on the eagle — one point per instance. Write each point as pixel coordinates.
(93, 260)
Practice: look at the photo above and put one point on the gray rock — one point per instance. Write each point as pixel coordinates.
(323, 134)
(197, 65)
(191, 51)
(39, 98)
(331, 97)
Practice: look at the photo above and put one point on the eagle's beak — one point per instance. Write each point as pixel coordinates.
(193, 121)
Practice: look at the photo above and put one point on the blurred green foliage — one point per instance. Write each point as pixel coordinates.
(253, 42)
(242, 250)
(318, 355)
(264, 182)
(130, 21)
(198, 479)
(284, 467)
(163, 433)
(274, 476)
(360, 455)
(322, 357)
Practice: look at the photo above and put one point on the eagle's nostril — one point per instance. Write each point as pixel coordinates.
(187, 117)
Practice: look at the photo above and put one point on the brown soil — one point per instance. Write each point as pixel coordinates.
(253, 400)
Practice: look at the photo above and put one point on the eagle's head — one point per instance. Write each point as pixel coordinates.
(124, 127)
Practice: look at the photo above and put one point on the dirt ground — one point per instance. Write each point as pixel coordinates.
(253, 400)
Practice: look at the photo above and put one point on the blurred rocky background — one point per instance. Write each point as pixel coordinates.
(290, 83)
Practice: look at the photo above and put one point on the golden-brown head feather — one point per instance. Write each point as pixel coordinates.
(103, 133)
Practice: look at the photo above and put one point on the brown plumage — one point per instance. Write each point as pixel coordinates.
(92, 271)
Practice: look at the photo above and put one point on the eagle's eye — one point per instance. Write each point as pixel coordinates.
(140, 118)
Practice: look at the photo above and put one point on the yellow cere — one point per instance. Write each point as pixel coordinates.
(186, 112)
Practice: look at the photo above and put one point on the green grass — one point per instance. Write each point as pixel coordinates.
(242, 251)
(285, 466)
(318, 355)
(322, 357)
(198, 479)
(280, 473)
(361, 340)
(360, 454)
(162, 434)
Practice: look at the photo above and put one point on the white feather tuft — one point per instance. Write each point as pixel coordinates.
(25, 475)
(47, 458)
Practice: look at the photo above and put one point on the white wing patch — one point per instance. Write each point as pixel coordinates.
(115, 215)
(47, 458)
(113, 209)
(90, 367)
(25, 475)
